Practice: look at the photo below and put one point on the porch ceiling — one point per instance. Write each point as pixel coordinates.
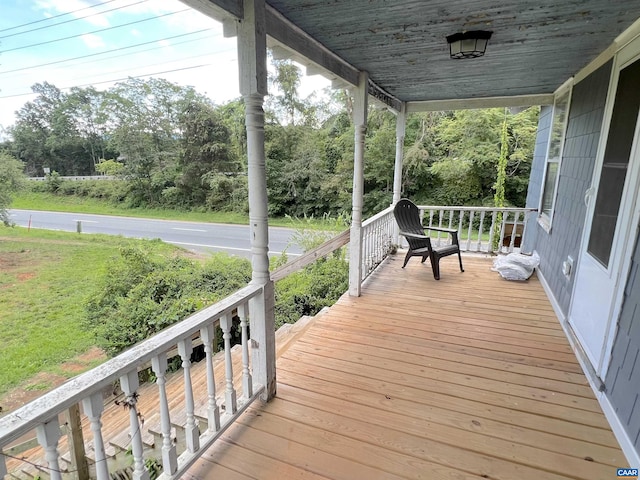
(535, 47)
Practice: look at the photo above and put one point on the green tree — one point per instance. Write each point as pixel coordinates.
(144, 117)
(206, 152)
(11, 179)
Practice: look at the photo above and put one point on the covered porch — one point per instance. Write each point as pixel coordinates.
(467, 377)
(406, 377)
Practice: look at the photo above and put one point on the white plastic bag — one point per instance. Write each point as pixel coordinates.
(516, 266)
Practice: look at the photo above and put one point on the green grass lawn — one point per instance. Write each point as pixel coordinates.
(45, 278)
(58, 203)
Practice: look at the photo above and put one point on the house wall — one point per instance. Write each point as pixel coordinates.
(578, 159)
(622, 381)
(536, 176)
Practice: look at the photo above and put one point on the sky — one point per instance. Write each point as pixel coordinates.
(98, 42)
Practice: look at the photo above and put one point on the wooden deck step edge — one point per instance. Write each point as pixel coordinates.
(296, 330)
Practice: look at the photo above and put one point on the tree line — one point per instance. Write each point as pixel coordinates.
(172, 147)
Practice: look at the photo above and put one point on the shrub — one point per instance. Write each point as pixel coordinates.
(306, 292)
(141, 294)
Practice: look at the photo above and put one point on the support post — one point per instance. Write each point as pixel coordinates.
(48, 435)
(93, 407)
(252, 62)
(75, 439)
(401, 122)
(360, 105)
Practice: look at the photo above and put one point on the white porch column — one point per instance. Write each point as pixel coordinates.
(252, 62)
(401, 122)
(360, 103)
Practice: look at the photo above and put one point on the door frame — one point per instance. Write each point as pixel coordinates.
(624, 239)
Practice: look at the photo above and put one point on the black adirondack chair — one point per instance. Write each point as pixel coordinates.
(408, 218)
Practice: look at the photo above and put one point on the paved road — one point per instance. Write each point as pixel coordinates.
(197, 236)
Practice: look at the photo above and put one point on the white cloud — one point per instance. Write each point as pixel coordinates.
(93, 41)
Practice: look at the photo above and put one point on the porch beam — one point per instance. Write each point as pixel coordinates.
(316, 57)
(252, 63)
(220, 10)
(293, 38)
(360, 106)
(488, 102)
(383, 96)
(285, 35)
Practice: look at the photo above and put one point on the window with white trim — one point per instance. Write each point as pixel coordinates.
(554, 155)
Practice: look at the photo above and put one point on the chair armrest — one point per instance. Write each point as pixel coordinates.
(438, 229)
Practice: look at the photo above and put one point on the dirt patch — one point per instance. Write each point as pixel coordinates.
(8, 260)
(23, 277)
(44, 382)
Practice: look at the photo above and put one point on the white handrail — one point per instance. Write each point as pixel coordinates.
(42, 414)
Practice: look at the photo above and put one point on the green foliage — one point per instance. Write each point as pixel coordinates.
(316, 286)
(11, 180)
(142, 294)
(175, 149)
(110, 167)
(306, 292)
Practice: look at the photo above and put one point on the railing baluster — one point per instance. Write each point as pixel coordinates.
(192, 435)
(229, 392)
(129, 384)
(492, 231)
(460, 222)
(93, 407)
(247, 382)
(169, 455)
(480, 230)
(213, 411)
(48, 435)
(501, 241)
(470, 231)
(3, 467)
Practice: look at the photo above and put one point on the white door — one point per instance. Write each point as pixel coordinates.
(611, 223)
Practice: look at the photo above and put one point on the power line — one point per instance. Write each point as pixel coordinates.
(84, 77)
(94, 31)
(121, 55)
(56, 16)
(73, 19)
(106, 51)
(115, 80)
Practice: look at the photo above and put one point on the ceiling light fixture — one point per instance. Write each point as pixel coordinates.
(468, 44)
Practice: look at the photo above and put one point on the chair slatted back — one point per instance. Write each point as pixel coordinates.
(408, 218)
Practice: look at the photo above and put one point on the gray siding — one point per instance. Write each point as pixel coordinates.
(581, 145)
(623, 378)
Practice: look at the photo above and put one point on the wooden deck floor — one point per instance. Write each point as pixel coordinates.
(469, 377)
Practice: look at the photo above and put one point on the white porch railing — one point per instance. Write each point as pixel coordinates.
(480, 229)
(377, 240)
(42, 415)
